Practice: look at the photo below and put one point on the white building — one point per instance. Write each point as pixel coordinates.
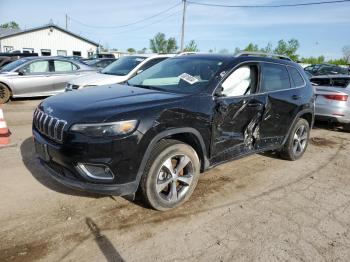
(47, 40)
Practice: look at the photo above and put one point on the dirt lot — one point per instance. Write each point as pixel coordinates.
(258, 208)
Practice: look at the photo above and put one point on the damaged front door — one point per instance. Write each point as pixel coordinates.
(238, 115)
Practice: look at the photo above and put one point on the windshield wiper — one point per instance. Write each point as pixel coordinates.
(148, 87)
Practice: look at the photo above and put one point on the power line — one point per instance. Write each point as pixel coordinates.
(269, 6)
(132, 29)
(125, 25)
(155, 22)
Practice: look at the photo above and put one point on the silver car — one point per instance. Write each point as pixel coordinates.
(332, 98)
(38, 76)
(119, 71)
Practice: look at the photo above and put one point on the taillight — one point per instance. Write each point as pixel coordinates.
(337, 97)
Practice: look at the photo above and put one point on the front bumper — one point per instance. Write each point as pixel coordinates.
(118, 190)
(118, 155)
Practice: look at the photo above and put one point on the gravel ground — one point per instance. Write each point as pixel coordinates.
(259, 208)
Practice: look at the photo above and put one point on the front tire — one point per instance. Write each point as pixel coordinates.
(297, 141)
(5, 94)
(170, 176)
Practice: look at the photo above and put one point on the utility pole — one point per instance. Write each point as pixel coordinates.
(183, 25)
(66, 22)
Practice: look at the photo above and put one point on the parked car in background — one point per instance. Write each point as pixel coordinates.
(6, 58)
(18, 54)
(117, 72)
(171, 122)
(326, 69)
(74, 58)
(102, 55)
(38, 76)
(332, 98)
(100, 63)
(308, 74)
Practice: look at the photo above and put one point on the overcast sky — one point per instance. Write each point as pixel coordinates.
(322, 29)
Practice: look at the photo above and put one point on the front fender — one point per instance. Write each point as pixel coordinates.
(167, 133)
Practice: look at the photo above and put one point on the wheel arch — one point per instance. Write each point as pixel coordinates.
(306, 114)
(187, 135)
(8, 86)
(5, 86)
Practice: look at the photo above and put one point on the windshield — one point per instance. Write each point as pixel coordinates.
(123, 65)
(182, 74)
(9, 67)
(91, 62)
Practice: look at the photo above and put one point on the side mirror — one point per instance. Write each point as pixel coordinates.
(21, 72)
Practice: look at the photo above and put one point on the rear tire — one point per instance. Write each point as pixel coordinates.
(170, 176)
(297, 141)
(5, 94)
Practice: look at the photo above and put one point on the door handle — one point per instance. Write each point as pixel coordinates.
(296, 97)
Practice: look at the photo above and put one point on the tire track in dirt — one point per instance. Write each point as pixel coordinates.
(122, 216)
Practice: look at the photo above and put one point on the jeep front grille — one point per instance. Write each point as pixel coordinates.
(49, 126)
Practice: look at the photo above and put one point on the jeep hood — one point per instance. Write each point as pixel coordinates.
(98, 104)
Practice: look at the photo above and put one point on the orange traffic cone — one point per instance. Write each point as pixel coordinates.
(4, 131)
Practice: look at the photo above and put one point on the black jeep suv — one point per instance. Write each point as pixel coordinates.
(156, 133)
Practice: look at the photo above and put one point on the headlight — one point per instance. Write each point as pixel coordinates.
(106, 129)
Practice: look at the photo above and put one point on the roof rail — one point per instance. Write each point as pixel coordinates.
(244, 53)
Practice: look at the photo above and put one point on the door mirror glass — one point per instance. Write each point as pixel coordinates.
(241, 82)
(21, 72)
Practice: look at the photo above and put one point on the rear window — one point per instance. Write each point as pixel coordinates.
(340, 82)
(297, 79)
(321, 81)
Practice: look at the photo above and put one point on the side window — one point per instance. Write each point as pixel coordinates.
(243, 81)
(64, 66)
(37, 67)
(297, 79)
(151, 63)
(274, 78)
(326, 70)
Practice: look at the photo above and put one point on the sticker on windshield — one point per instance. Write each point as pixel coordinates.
(139, 59)
(188, 78)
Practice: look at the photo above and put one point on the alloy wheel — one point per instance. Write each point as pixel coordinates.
(4, 94)
(300, 140)
(174, 178)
